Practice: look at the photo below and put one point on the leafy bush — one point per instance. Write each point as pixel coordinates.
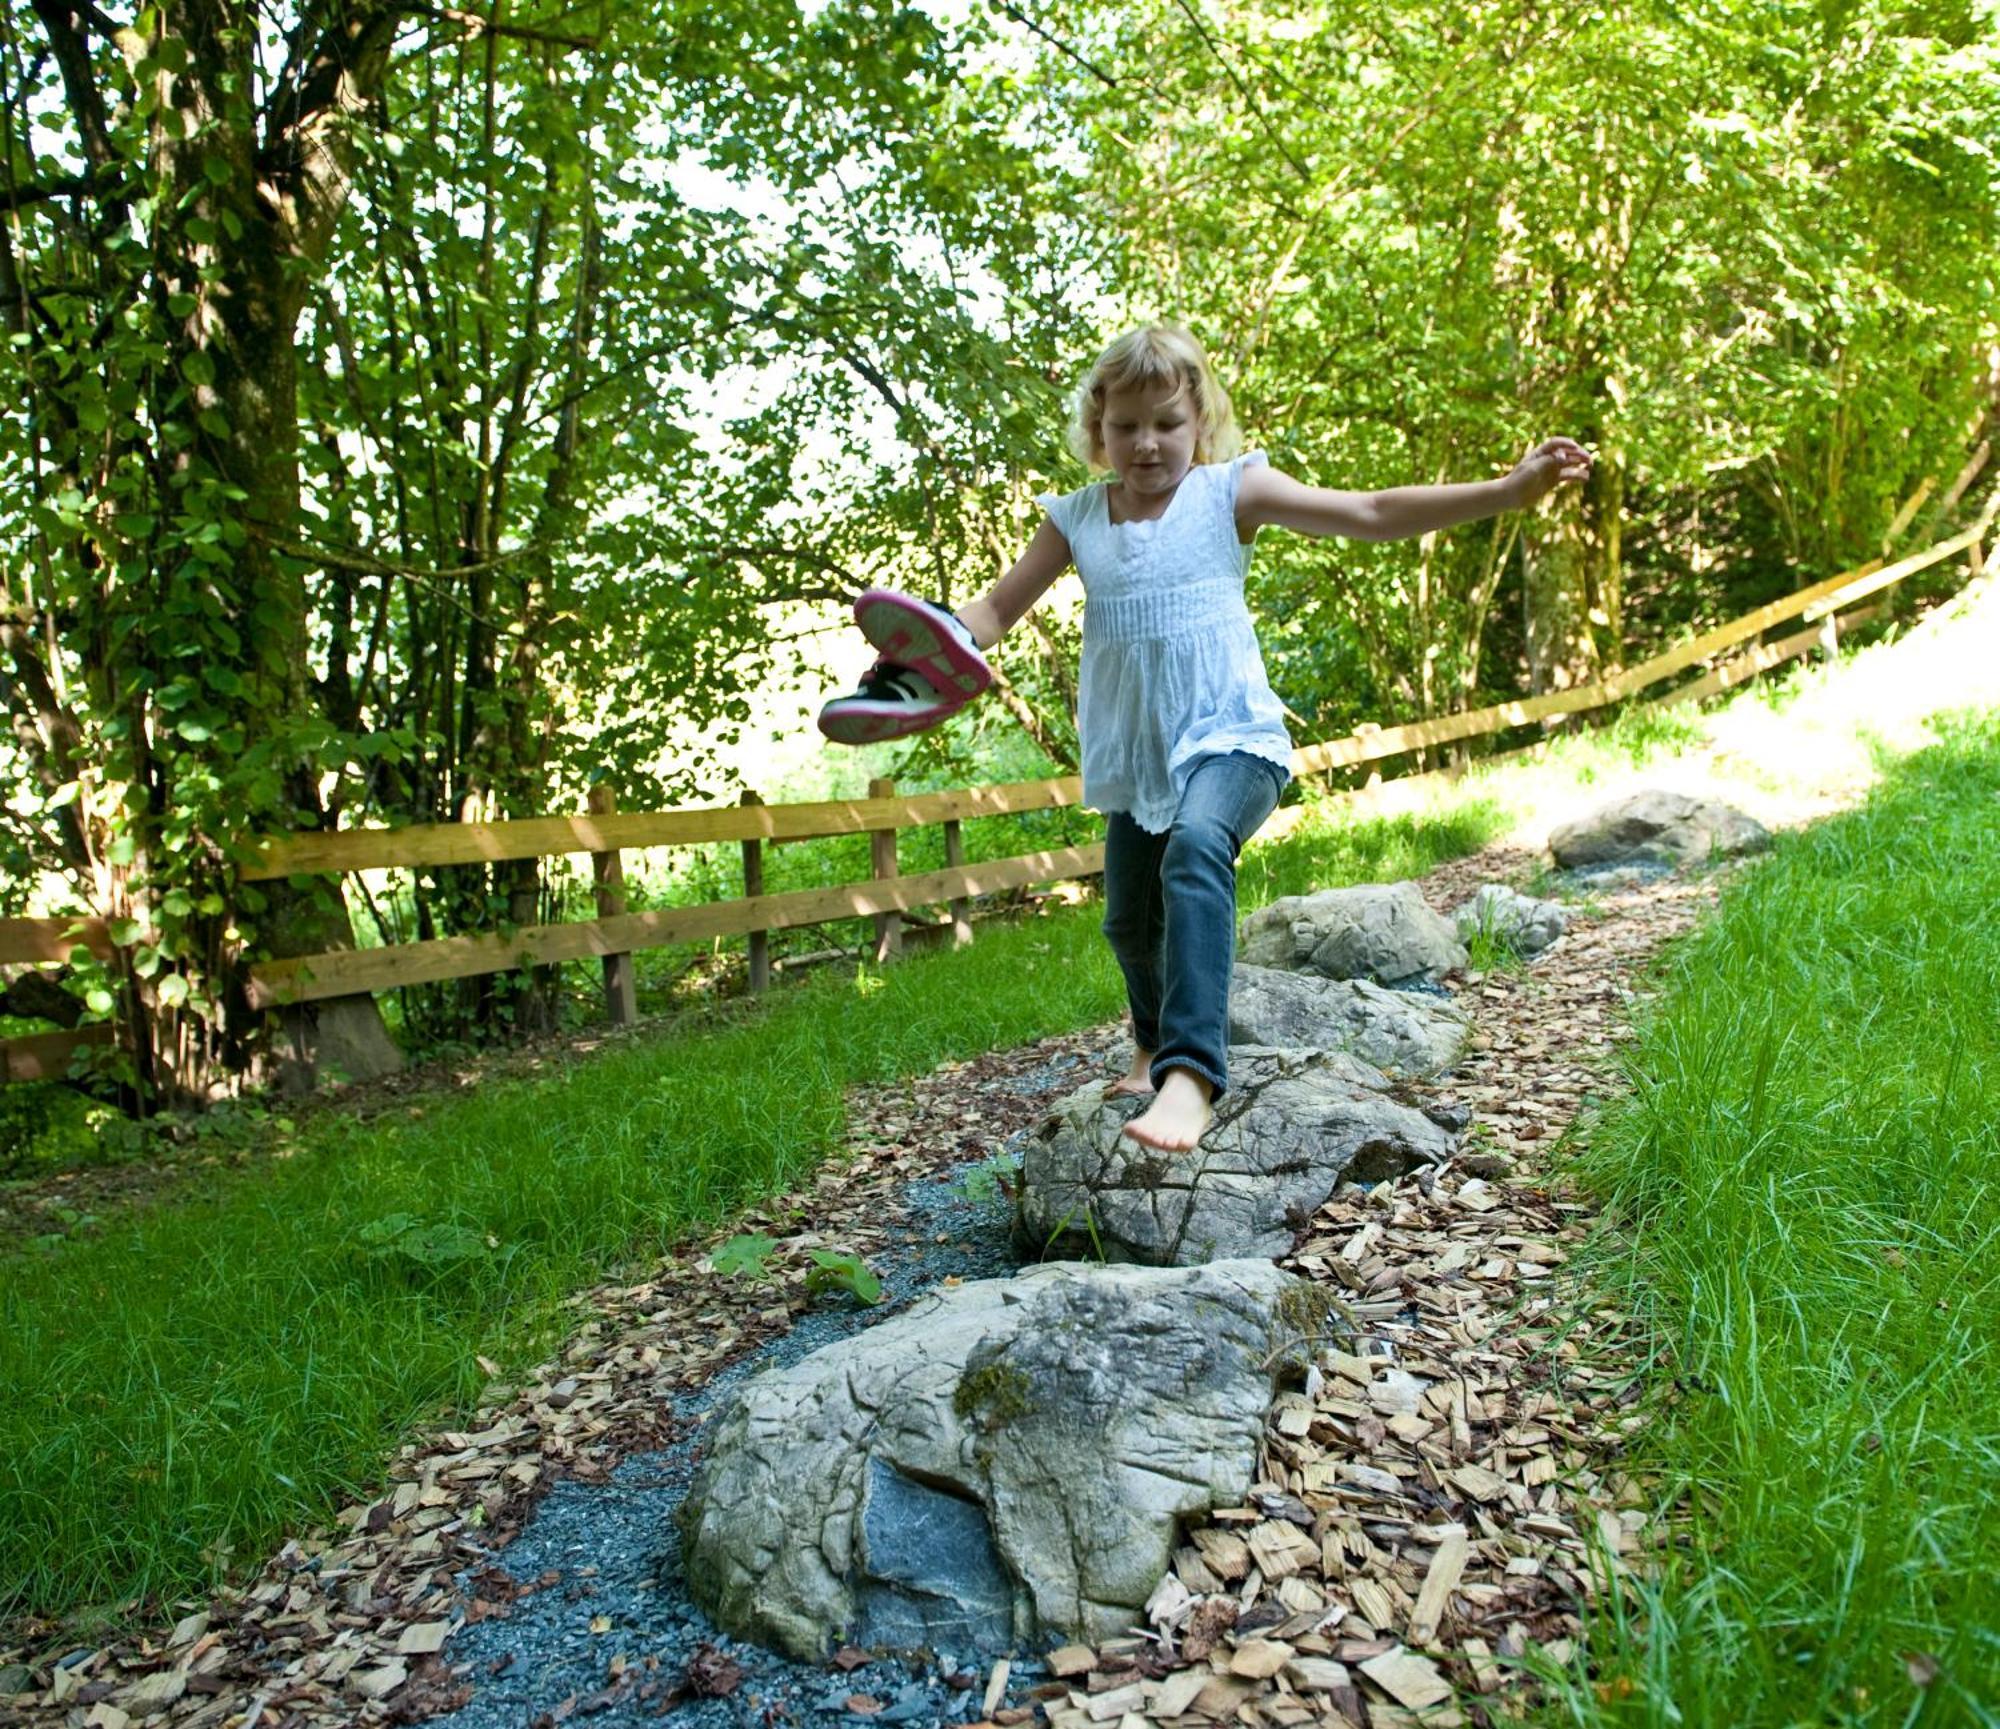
(44, 1127)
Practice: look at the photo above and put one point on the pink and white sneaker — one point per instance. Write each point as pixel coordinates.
(928, 640)
(891, 702)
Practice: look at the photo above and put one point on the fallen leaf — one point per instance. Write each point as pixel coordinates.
(711, 1674)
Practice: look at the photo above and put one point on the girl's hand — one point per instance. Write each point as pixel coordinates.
(1552, 463)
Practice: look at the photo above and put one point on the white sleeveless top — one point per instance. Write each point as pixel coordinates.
(1171, 669)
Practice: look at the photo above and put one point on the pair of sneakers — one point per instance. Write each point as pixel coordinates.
(929, 667)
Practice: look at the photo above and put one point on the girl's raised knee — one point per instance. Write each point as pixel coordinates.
(1204, 843)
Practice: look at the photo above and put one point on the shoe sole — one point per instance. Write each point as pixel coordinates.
(910, 634)
(862, 722)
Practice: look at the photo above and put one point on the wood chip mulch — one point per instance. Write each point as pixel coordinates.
(1444, 1496)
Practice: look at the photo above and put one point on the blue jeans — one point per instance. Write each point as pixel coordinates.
(1170, 911)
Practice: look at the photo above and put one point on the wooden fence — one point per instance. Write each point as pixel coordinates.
(605, 833)
(36, 942)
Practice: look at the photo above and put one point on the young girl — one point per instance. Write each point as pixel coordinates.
(1184, 744)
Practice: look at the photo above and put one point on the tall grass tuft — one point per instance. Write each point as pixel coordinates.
(1806, 1179)
(207, 1373)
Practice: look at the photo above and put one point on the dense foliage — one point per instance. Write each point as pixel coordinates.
(415, 415)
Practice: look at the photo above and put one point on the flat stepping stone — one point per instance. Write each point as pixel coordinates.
(1293, 1126)
(1386, 932)
(1007, 1461)
(1399, 1032)
(1657, 827)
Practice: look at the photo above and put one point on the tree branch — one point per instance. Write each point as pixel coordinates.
(1243, 90)
(309, 157)
(1057, 43)
(92, 185)
(86, 101)
(439, 581)
(476, 26)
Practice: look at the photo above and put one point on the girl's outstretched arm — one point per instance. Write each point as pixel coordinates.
(1268, 499)
(1007, 602)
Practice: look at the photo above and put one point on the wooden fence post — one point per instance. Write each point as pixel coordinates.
(961, 908)
(882, 865)
(621, 997)
(753, 884)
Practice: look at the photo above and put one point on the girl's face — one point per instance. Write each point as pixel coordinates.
(1149, 433)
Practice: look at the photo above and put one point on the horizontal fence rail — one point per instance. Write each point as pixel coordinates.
(349, 971)
(36, 942)
(455, 843)
(615, 934)
(47, 1056)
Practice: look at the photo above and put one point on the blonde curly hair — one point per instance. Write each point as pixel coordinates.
(1156, 354)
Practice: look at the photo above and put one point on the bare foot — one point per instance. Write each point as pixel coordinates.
(1178, 1116)
(1137, 1079)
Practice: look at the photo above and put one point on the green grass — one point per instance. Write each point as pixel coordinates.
(1804, 1188)
(195, 1378)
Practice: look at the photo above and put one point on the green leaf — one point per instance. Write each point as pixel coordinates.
(839, 1270)
(744, 1254)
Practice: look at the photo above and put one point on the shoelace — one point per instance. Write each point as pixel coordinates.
(886, 682)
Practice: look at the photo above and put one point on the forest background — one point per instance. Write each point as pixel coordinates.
(416, 414)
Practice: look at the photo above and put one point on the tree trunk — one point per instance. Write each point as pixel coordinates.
(271, 211)
(1556, 557)
(1573, 588)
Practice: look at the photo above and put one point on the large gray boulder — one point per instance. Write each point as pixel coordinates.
(1512, 919)
(1400, 1031)
(1657, 827)
(1007, 1461)
(1293, 1125)
(1381, 931)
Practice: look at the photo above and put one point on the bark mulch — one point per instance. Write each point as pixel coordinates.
(1444, 1497)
